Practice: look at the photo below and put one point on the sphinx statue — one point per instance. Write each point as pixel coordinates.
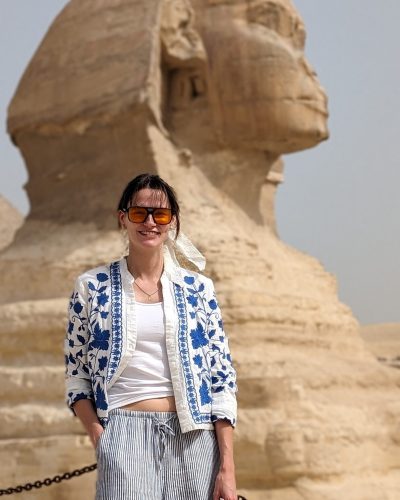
(209, 94)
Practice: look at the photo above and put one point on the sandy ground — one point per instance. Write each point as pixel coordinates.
(384, 341)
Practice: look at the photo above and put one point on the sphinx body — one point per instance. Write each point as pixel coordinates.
(208, 94)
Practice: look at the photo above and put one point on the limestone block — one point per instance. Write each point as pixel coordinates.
(33, 330)
(30, 459)
(32, 383)
(37, 419)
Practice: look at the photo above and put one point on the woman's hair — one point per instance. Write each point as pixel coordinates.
(150, 181)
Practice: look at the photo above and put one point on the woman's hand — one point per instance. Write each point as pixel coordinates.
(85, 412)
(225, 485)
(96, 430)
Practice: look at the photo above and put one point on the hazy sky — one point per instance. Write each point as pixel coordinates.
(339, 201)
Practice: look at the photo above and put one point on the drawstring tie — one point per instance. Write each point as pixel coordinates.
(162, 429)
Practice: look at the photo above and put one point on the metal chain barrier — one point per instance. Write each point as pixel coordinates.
(57, 479)
(48, 481)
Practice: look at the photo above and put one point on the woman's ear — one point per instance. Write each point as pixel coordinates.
(172, 224)
(121, 219)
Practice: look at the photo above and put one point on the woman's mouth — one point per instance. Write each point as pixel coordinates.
(149, 233)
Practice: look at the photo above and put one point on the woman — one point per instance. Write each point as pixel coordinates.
(148, 367)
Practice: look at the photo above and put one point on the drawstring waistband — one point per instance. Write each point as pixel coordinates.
(163, 429)
(160, 421)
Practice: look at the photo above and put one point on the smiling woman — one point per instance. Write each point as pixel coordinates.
(149, 372)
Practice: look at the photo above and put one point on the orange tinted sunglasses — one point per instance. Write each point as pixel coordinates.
(139, 215)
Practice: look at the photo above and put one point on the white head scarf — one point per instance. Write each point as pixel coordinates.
(184, 246)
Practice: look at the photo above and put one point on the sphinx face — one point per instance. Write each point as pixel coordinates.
(263, 92)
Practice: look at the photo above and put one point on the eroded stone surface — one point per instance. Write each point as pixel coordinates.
(10, 221)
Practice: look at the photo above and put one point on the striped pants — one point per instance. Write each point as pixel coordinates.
(143, 455)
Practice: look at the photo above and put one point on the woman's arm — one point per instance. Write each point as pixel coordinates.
(223, 374)
(77, 378)
(79, 392)
(85, 412)
(225, 483)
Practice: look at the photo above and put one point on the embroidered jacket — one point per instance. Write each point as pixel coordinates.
(101, 337)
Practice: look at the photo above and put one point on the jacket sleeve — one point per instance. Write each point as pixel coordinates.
(223, 374)
(77, 378)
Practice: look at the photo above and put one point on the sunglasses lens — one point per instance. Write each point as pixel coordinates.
(137, 214)
(162, 216)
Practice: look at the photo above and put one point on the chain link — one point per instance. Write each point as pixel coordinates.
(48, 481)
(57, 479)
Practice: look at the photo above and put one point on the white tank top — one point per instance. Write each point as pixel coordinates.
(147, 374)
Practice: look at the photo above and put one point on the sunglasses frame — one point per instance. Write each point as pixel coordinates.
(150, 211)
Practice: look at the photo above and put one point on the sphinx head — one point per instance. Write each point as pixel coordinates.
(261, 91)
(227, 74)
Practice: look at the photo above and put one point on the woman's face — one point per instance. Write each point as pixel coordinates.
(147, 234)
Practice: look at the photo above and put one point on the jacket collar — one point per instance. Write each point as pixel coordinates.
(171, 270)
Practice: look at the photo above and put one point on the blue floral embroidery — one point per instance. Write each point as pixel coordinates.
(100, 396)
(204, 352)
(213, 304)
(205, 393)
(211, 353)
(78, 307)
(198, 360)
(183, 340)
(103, 362)
(86, 339)
(198, 336)
(100, 339)
(102, 277)
(116, 319)
(75, 362)
(77, 397)
(214, 418)
(102, 299)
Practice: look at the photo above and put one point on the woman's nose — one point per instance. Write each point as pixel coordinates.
(149, 220)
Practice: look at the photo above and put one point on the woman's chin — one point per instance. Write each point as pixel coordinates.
(150, 243)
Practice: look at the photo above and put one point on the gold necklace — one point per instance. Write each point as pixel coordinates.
(148, 294)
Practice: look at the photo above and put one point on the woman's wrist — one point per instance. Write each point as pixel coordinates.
(95, 427)
(227, 464)
(95, 432)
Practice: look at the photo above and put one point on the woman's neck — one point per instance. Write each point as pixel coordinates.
(147, 266)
